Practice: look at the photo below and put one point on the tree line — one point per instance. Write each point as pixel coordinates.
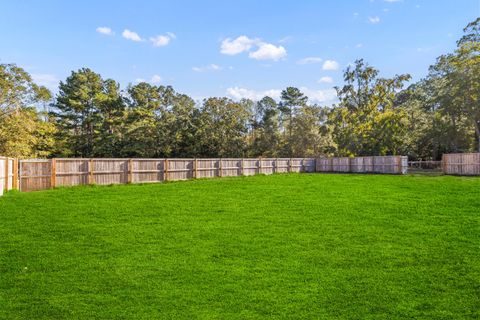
(94, 117)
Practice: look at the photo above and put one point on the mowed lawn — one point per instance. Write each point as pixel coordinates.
(293, 246)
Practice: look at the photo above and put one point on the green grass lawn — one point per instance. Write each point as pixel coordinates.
(294, 246)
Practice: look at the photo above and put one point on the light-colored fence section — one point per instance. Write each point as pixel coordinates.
(44, 174)
(35, 174)
(147, 170)
(8, 174)
(377, 164)
(465, 164)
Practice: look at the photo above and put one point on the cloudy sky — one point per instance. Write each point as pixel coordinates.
(246, 48)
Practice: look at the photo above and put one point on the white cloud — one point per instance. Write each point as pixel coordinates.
(374, 20)
(330, 65)
(393, 0)
(105, 30)
(268, 51)
(162, 40)
(263, 50)
(326, 96)
(359, 45)
(130, 35)
(316, 96)
(239, 45)
(210, 67)
(309, 60)
(45, 79)
(156, 79)
(239, 93)
(325, 80)
(355, 14)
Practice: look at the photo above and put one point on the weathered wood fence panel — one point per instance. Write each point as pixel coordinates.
(179, 169)
(207, 168)
(147, 170)
(341, 164)
(464, 164)
(35, 175)
(281, 165)
(72, 172)
(231, 167)
(377, 164)
(250, 167)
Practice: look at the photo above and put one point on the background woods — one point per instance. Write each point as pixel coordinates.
(93, 117)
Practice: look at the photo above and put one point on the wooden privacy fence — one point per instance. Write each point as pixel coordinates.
(465, 164)
(39, 174)
(44, 174)
(377, 164)
(8, 174)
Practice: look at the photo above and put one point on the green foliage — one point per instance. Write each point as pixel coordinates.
(222, 128)
(24, 132)
(365, 120)
(89, 111)
(265, 136)
(310, 246)
(447, 101)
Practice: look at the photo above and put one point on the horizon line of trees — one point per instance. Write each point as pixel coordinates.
(93, 117)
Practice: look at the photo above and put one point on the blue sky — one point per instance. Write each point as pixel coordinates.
(235, 48)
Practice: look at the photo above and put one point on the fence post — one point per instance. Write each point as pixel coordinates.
(290, 165)
(220, 167)
(242, 165)
(7, 171)
(259, 166)
(195, 168)
(53, 172)
(130, 171)
(90, 171)
(20, 174)
(165, 170)
(276, 165)
(444, 164)
(15, 174)
(315, 165)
